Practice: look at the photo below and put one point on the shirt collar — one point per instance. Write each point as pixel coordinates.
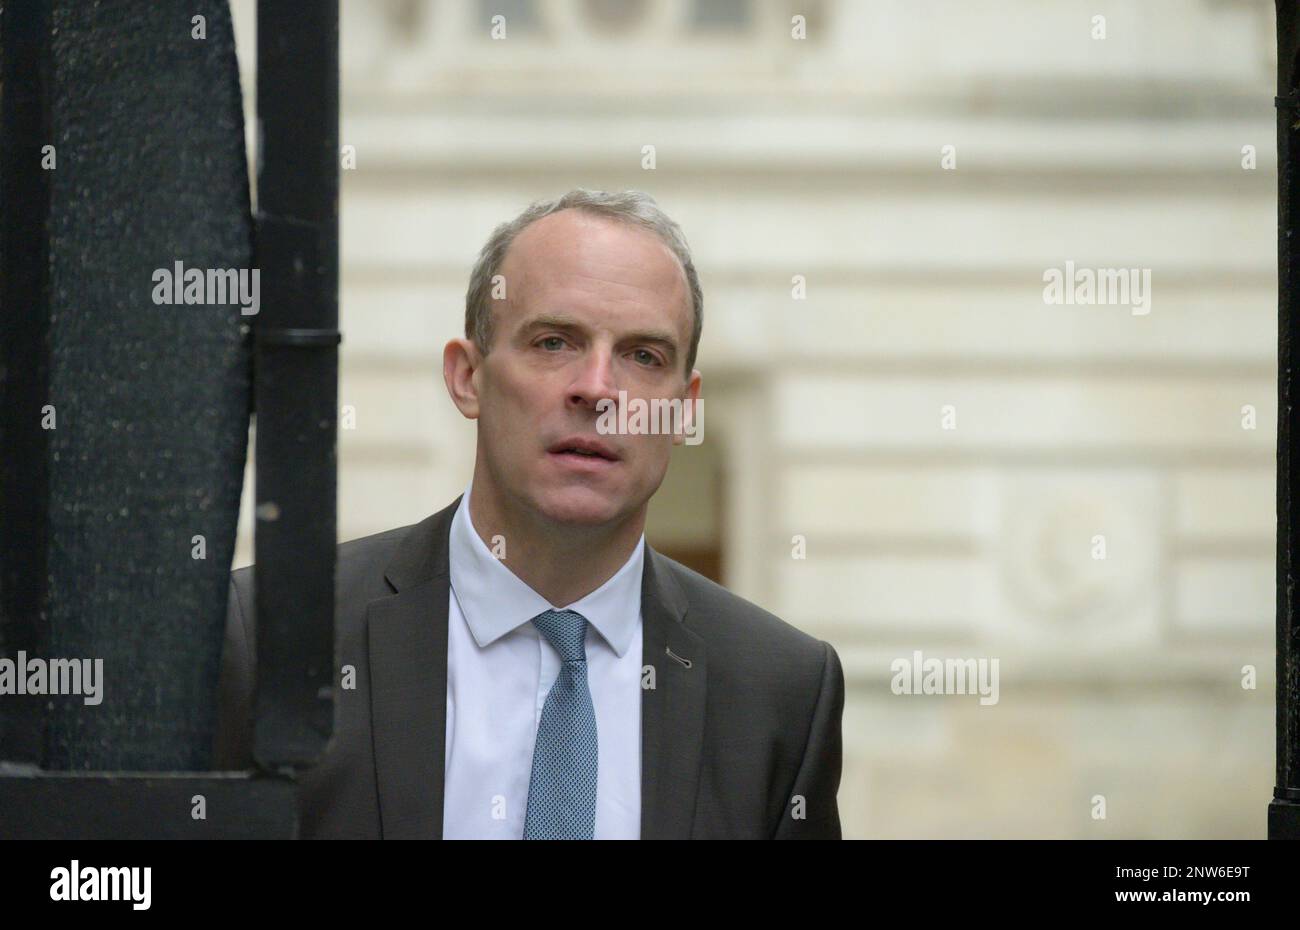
(494, 600)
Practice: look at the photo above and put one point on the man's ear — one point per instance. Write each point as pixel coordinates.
(460, 361)
(692, 412)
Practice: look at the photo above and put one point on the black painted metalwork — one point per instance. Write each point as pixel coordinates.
(24, 359)
(296, 379)
(1284, 810)
(152, 806)
(294, 372)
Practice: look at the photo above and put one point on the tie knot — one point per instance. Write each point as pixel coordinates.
(566, 630)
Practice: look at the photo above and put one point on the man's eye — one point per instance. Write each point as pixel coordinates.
(552, 342)
(645, 356)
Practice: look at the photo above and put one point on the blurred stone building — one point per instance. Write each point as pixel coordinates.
(873, 209)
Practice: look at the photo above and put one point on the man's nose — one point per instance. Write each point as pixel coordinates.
(595, 380)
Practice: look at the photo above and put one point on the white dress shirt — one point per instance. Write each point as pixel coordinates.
(499, 671)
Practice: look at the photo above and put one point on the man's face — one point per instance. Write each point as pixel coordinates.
(593, 307)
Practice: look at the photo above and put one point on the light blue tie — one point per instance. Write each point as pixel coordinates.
(562, 789)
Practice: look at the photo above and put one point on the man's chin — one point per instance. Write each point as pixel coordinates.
(579, 506)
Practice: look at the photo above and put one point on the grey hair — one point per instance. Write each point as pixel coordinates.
(634, 208)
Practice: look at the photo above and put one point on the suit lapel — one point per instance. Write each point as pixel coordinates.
(672, 712)
(407, 640)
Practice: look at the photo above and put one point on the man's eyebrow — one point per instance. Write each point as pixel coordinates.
(550, 320)
(659, 337)
(655, 337)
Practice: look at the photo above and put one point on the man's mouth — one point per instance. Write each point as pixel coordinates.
(584, 449)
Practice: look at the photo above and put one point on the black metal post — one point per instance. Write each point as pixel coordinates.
(1284, 810)
(296, 379)
(60, 225)
(24, 359)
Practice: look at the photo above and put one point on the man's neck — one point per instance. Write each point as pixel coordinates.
(561, 563)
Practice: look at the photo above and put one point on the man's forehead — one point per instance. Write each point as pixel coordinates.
(571, 249)
(572, 237)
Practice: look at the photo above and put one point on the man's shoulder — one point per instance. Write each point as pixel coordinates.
(366, 551)
(721, 617)
(724, 617)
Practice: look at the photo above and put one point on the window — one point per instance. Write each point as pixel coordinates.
(521, 15)
(720, 15)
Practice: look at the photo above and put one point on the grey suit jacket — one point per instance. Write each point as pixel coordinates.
(745, 743)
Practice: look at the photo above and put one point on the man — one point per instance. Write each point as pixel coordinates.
(526, 665)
